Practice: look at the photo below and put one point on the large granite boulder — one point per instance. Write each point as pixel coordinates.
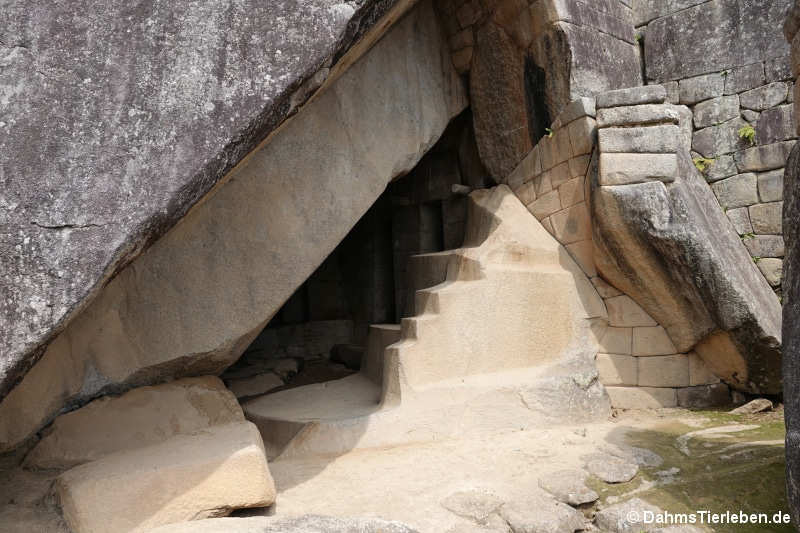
(194, 300)
(662, 238)
(791, 329)
(115, 119)
(791, 296)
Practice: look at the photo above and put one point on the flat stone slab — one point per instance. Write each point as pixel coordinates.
(140, 417)
(569, 486)
(611, 469)
(187, 477)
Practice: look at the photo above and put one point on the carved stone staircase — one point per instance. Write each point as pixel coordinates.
(504, 337)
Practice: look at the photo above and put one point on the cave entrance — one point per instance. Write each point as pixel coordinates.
(320, 333)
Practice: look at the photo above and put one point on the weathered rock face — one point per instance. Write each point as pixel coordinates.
(791, 329)
(672, 42)
(664, 241)
(195, 299)
(103, 147)
(791, 295)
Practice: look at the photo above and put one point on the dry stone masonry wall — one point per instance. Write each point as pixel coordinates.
(637, 362)
(727, 62)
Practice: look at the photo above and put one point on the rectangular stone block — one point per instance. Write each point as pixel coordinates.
(616, 369)
(644, 114)
(740, 218)
(651, 139)
(545, 205)
(647, 94)
(740, 79)
(699, 88)
(626, 168)
(772, 270)
(185, 478)
(775, 125)
(526, 193)
(559, 175)
(605, 290)
(770, 186)
(720, 168)
(737, 191)
(699, 374)
(582, 107)
(571, 192)
(652, 341)
(583, 254)
(642, 397)
(624, 312)
(715, 111)
(582, 135)
(778, 69)
(578, 166)
(530, 166)
(761, 158)
(767, 219)
(617, 340)
(765, 246)
(720, 139)
(664, 371)
(572, 224)
(764, 97)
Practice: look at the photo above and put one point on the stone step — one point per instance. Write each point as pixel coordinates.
(379, 337)
(206, 474)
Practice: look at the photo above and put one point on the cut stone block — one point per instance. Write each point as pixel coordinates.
(744, 78)
(526, 192)
(558, 175)
(617, 341)
(583, 254)
(664, 371)
(571, 192)
(720, 139)
(530, 166)
(140, 417)
(582, 135)
(761, 158)
(699, 88)
(572, 224)
(187, 477)
(651, 139)
(652, 341)
(615, 369)
(720, 168)
(764, 97)
(767, 219)
(648, 94)
(699, 374)
(737, 191)
(715, 111)
(776, 125)
(638, 115)
(770, 186)
(604, 289)
(772, 269)
(642, 397)
(582, 107)
(624, 312)
(579, 165)
(623, 169)
(545, 205)
(778, 69)
(765, 246)
(740, 217)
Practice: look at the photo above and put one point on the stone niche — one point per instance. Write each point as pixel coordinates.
(321, 332)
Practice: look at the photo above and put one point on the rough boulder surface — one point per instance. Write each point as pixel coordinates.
(115, 120)
(791, 329)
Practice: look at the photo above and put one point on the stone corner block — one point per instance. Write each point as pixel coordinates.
(647, 94)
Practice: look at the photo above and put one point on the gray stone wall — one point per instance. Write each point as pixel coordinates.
(727, 62)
